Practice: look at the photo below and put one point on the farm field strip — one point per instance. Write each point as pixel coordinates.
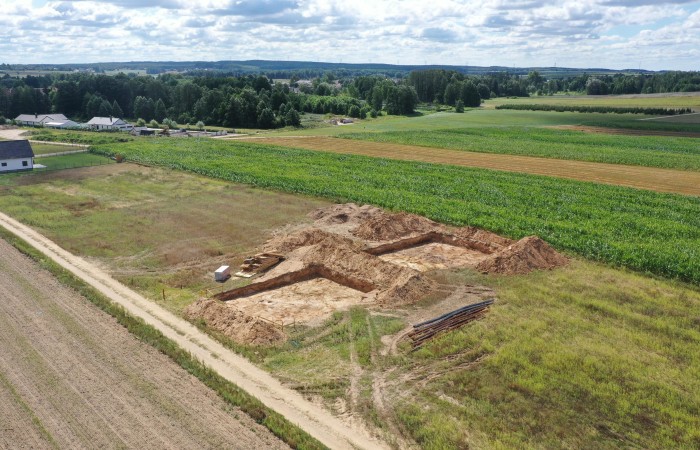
(655, 179)
(292, 405)
(70, 376)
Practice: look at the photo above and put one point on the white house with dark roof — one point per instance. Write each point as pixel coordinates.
(109, 123)
(34, 120)
(16, 155)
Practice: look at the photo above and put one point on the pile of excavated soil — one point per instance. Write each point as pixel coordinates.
(386, 227)
(348, 213)
(240, 327)
(284, 244)
(524, 256)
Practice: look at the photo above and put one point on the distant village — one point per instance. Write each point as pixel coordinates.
(60, 121)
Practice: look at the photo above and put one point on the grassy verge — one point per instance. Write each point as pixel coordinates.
(664, 152)
(581, 357)
(276, 423)
(79, 137)
(642, 230)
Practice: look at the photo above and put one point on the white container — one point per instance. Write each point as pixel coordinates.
(223, 273)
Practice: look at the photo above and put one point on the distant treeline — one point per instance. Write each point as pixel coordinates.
(247, 101)
(597, 109)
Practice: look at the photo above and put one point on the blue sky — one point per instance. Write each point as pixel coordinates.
(616, 34)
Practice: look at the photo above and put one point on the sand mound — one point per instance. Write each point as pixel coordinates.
(311, 236)
(348, 213)
(524, 256)
(385, 227)
(240, 327)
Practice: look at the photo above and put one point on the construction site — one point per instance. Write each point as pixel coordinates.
(354, 255)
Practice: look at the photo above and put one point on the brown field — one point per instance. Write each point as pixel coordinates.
(71, 377)
(661, 180)
(630, 132)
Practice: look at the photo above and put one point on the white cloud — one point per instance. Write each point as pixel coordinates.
(610, 33)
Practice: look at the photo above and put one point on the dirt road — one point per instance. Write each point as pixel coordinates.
(660, 180)
(310, 417)
(71, 377)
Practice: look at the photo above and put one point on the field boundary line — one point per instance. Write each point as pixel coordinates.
(311, 418)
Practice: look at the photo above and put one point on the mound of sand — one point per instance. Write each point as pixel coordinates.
(524, 256)
(240, 327)
(385, 227)
(396, 284)
(311, 236)
(348, 213)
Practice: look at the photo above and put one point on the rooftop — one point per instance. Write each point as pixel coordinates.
(15, 149)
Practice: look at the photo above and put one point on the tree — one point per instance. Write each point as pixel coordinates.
(153, 124)
(354, 111)
(484, 91)
(117, 110)
(595, 86)
(266, 119)
(105, 109)
(140, 122)
(459, 106)
(292, 118)
(470, 96)
(159, 112)
(200, 125)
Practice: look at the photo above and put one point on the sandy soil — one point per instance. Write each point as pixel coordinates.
(308, 302)
(650, 178)
(315, 420)
(13, 134)
(435, 256)
(71, 376)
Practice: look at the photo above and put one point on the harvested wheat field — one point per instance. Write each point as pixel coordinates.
(650, 178)
(359, 255)
(71, 377)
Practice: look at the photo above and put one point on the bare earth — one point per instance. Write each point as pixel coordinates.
(661, 180)
(313, 419)
(71, 377)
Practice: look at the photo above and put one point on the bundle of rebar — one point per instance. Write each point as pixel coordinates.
(424, 331)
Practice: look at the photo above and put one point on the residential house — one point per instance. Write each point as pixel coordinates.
(16, 155)
(109, 123)
(34, 120)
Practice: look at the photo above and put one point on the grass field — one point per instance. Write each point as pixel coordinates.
(643, 230)
(672, 101)
(44, 149)
(160, 231)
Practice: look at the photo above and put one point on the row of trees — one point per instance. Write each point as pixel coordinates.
(248, 101)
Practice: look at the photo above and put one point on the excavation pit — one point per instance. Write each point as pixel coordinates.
(434, 255)
(307, 302)
(305, 296)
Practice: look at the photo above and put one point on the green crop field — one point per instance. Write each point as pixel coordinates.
(642, 230)
(651, 151)
(680, 100)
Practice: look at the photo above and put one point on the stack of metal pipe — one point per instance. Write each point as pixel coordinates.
(424, 331)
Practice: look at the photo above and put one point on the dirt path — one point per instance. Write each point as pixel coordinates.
(12, 134)
(654, 179)
(71, 377)
(312, 418)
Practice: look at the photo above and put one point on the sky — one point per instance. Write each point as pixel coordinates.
(613, 34)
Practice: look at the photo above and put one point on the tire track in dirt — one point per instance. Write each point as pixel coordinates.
(648, 178)
(313, 419)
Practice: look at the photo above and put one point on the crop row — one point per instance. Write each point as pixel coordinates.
(650, 151)
(641, 230)
(597, 109)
